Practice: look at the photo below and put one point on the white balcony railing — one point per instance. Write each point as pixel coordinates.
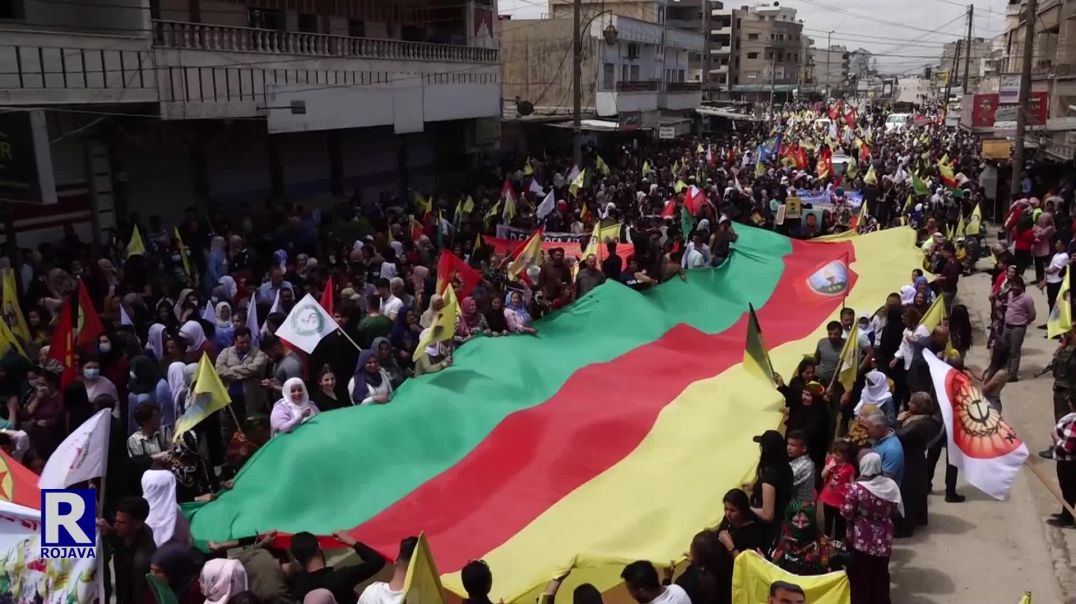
(203, 36)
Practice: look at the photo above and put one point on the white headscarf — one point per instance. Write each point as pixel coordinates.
(221, 579)
(286, 398)
(155, 340)
(193, 333)
(875, 390)
(230, 286)
(180, 301)
(907, 294)
(881, 486)
(159, 489)
(216, 315)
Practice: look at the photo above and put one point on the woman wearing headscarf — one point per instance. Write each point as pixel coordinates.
(147, 385)
(404, 334)
(174, 566)
(470, 322)
(419, 275)
(165, 519)
(917, 428)
(229, 287)
(437, 357)
(812, 417)
(195, 478)
(194, 336)
(294, 407)
(155, 341)
(876, 392)
(436, 304)
(223, 329)
(869, 508)
(516, 314)
(802, 550)
(221, 579)
(370, 383)
(498, 325)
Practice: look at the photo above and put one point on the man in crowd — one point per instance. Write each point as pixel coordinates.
(242, 368)
(341, 581)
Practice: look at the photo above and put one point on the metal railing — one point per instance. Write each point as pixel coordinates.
(637, 86)
(204, 36)
(683, 86)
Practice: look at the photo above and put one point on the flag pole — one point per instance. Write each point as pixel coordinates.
(100, 578)
(1049, 487)
(344, 333)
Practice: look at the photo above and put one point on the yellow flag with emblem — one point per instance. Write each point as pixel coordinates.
(135, 247)
(871, 178)
(975, 221)
(849, 360)
(646, 168)
(528, 170)
(208, 395)
(601, 166)
(961, 228)
(12, 310)
(753, 574)
(934, 317)
(579, 182)
(8, 341)
(1060, 320)
(444, 324)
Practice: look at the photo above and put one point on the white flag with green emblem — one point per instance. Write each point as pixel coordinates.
(307, 324)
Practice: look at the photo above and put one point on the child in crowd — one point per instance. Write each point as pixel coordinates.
(837, 475)
(802, 466)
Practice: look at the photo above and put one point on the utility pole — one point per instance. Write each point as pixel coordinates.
(1025, 92)
(707, 9)
(952, 73)
(577, 90)
(967, 49)
(828, 45)
(773, 75)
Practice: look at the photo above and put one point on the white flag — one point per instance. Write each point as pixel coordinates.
(980, 442)
(209, 314)
(307, 324)
(536, 188)
(276, 303)
(546, 207)
(81, 456)
(125, 319)
(574, 174)
(252, 322)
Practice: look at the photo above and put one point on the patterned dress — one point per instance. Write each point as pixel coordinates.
(870, 521)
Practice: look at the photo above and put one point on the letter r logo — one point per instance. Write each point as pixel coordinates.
(68, 517)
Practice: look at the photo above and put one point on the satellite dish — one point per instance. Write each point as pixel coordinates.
(524, 107)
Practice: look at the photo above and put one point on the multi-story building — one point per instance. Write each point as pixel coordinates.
(722, 41)
(859, 64)
(157, 105)
(630, 66)
(768, 52)
(807, 76)
(980, 52)
(831, 70)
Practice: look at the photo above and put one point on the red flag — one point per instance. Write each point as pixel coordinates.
(528, 254)
(416, 230)
(824, 168)
(449, 266)
(694, 198)
(850, 117)
(669, 211)
(835, 110)
(327, 296)
(801, 158)
(89, 323)
(18, 484)
(864, 153)
(62, 345)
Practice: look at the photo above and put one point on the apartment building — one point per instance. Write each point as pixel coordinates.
(155, 105)
(768, 46)
(630, 66)
(980, 54)
(832, 70)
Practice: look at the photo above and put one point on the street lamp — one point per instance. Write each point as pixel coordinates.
(610, 35)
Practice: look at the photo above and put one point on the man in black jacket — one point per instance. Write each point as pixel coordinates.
(340, 581)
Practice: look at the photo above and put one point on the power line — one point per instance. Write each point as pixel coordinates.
(856, 15)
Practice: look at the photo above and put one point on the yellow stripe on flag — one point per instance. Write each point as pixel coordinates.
(752, 575)
(12, 309)
(135, 247)
(183, 253)
(849, 359)
(755, 357)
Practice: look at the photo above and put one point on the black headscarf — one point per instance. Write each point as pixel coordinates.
(364, 380)
(145, 374)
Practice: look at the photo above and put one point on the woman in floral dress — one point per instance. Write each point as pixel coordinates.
(869, 508)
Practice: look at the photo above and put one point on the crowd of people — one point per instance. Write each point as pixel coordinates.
(220, 283)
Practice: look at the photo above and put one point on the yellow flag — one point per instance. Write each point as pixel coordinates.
(934, 317)
(492, 213)
(961, 229)
(182, 253)
(850, 359)
(646, 168)
(468, 205)
(444, 324)
(208, 395)
(752, 576)
(679, 186)
(135, 247)
(578, 183)
(423, 582)
(676, 168)
(699, 149)
(528, 170)
(871, 178)
(975, 222)
(1060, 320)
(12, 310)
(755, 357)
(1026, 599)
(853, 168)
(422, 204)
(863, 213)
(601, 166)
(8, 340)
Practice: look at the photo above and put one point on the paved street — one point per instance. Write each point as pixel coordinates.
(984, 550)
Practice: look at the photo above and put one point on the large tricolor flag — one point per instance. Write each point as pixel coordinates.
(980, 442)
(557, 441)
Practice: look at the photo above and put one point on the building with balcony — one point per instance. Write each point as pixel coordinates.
(980, 53)
(767, 52)
(158, 105)
(629, 66)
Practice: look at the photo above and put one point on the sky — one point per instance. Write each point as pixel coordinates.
(905, 35)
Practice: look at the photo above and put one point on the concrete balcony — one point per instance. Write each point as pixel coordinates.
(45, 68)
(680, 95)
(723, 49)
(207, 71)
(628, 95)
(721, 30)
(721, 12)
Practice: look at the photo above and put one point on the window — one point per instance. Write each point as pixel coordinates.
(308, 23)
(356, 28)
(608, 76)
(752, 36)
(635, 73)
(11, 9)
(680, 76)
(661, 15)
(752, 55)
(624, 73)
(633, 50)
(264, 18)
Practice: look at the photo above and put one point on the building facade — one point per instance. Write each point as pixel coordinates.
(979, 58)
(768, 52)
(832, 70)
(645, 67)
(156, 106)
